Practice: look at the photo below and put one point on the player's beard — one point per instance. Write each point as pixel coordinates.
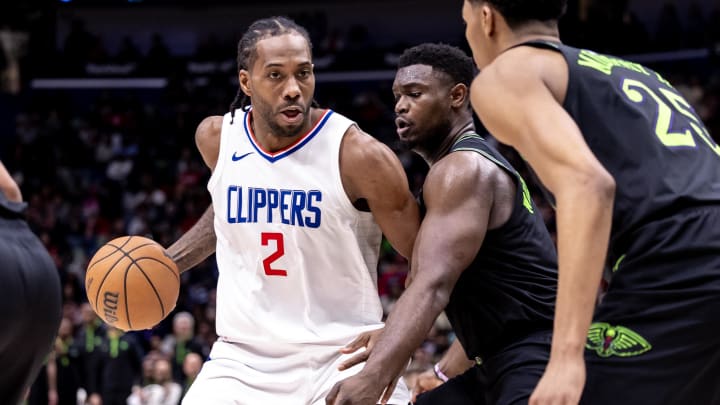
(429, 141)
(284, 131)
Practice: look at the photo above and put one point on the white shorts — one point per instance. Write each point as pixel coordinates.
(285, 374)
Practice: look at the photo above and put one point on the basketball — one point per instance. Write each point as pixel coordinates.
(131, 283)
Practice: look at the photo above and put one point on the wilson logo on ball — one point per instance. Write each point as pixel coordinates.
(110, 304)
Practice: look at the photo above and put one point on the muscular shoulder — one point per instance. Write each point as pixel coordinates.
(522, 69)
(462, 174)
(361, 147)
(466, 177)
(364, 159)
(207, 139)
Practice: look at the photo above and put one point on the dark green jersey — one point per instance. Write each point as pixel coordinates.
(509, 289)
(11, 209)
(645, 134)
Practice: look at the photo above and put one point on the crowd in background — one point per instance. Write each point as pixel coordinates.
(101, 164)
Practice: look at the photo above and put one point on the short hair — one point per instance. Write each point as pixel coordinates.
(519, 12)
(184, 315)
(441, 57)
(247, 46)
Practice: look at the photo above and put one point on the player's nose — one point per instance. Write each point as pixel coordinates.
(291, 90)
(401, 107)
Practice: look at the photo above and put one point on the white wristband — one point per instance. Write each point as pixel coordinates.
(439, 374)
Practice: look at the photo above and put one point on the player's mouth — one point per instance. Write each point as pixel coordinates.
(402, 125)
(292, 115)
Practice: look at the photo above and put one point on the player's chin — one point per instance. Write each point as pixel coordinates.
(405, 136)
(288, 130)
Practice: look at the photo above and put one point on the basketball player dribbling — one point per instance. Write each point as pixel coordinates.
(300, 196)
(636, 180)
(30, 303)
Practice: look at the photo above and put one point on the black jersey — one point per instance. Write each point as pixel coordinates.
(30, 302)
(11, 209)
(509, 289)
(645, 134)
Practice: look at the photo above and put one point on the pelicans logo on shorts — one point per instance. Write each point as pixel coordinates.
(607, 340)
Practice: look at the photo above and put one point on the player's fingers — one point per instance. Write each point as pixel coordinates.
(359, 342)
(356, 359)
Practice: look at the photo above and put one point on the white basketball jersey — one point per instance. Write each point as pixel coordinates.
(297, 260)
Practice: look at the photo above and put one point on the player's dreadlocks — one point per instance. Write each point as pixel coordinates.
(261, 29)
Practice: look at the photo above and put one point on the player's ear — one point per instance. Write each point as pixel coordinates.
(488, 16)
(244, 79)
(458, 95)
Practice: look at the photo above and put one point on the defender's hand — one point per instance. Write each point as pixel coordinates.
(426, 381)
(561, 384)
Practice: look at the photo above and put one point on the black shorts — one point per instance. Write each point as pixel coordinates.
(656, 334)
(30, 307)
(506, 378)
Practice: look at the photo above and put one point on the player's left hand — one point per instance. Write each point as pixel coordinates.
(359, 389)
(561, 384)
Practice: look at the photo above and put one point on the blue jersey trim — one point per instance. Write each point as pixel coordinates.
(272, 158)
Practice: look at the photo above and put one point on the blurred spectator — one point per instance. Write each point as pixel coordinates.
(120, 367)
(13, 47)
(88, 339)
(63, 369)
(191, 368)
(161, 391)
(181, 342)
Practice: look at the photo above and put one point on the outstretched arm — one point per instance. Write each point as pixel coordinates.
(523, 108)
(199, 241)
(458, 196)
(196, 244)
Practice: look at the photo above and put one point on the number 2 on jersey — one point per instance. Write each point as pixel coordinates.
(632, 88)
(265, 239)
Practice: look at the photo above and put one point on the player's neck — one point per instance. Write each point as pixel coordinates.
(434, 153)
(530, 32)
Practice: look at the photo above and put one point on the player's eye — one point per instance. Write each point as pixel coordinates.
(274, 75)
(415, 94)
(304, 74)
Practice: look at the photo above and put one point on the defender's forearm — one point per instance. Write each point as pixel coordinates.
(584, 219)
(455, 362)
(196, 244)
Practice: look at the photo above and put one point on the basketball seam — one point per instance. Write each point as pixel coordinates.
(127, 307)
(162, 307)
(107, 273)
(159, 261)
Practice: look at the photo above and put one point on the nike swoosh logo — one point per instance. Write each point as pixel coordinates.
(235, 158)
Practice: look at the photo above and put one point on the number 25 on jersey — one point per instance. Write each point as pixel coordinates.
(669, 104)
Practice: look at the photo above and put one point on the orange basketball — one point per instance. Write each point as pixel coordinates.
(131, 283)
